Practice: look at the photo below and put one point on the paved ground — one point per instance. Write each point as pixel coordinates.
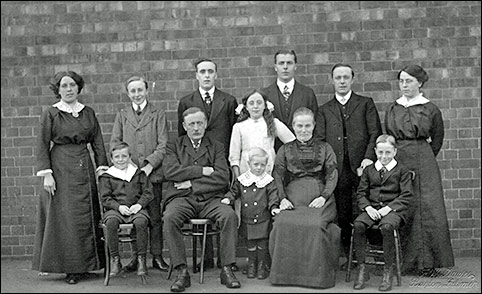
(17, 277)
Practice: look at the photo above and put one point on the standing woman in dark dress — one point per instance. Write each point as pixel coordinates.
(417, 125)
(67, 237)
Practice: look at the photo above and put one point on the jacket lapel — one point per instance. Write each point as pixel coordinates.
(188, 147)
(147, 117)
(388, 173)
(332, 106)
(274, 98)
(217, 105)
(352, 104)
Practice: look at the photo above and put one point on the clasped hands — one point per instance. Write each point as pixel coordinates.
(207, 171)
(318, 202)
(377, 214)
(125, 210)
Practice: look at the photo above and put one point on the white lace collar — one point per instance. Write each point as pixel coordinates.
(389, 166)
(404, 101)
(248, 178)
(123, 174)
(73, 109)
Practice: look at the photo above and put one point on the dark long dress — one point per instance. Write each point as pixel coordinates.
(67, 237)
(304, 243)
(425, 238)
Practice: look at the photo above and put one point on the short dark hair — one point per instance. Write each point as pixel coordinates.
(285, 51)
(342, 65)
(119, 146)
(386, 138)
(192, 110)
(203, 59)
(136, 78)
(55, 81)
(415, 71)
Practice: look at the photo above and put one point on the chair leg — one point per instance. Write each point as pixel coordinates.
(397, 258)
(107, 259)
(194, 250)
(170, 271)
(203, 252)
(350, 258)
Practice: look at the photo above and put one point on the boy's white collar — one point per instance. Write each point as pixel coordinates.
(248, 178)
(123, 174)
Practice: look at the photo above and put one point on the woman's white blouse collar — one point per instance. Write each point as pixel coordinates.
(74, 109)
(404, 101)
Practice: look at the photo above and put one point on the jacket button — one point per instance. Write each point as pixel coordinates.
(244, 191)
(255, 220)
(246, 204)
(255, 203)
(254, 190)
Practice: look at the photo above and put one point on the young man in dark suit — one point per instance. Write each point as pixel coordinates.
(220, 108)
(286, 94)
(350, 124)
(197, 176)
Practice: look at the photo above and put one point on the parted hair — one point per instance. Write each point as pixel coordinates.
(55, 81)
(192, 110)
(415, 71)
(285, 51)
(136, 78)
(257, 151)
(267, 115)
(386, 138)
(203, 59)
(119, 146)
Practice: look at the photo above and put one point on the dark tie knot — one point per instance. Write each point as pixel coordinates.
(383, 170)
(208, 98)
(138, 110)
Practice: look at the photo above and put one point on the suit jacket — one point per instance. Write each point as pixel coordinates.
(221, 120)
(182, 163)
(302, 96)
(362, 129)
(394, 190)
(147, 138)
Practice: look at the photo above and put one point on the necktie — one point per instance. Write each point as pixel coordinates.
(208, 101)
(286, 93)
(383, 170)
(196, 146)
(138, 110)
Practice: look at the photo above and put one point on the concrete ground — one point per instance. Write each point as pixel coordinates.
(17, 277)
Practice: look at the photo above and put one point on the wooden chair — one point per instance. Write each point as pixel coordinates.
(198, 227)
(126, 235)
(375, 249)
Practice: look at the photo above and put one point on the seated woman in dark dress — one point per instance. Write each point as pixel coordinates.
(304, 242)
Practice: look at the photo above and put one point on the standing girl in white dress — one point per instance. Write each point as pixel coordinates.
(256, 127)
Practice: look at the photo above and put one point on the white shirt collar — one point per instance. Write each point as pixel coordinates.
(248, 178)
(123, 174)
(290, 84)
(343, 99)
(74, 109)
(198, 144)
(203, 92)
(143, 105)
(420, 99)
(389, 166)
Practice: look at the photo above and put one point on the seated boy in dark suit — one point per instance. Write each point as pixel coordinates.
(384, 195)
(125, 192)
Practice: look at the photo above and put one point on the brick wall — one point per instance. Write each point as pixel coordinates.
(107, 42)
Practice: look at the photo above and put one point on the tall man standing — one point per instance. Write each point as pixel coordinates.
(220, 108)
(350, 124)
(286, 93)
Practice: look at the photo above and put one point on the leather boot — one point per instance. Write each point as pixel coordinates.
(132, 265)
(252, 264)
(362, 277)
(141, 265)
(228, 278)
(183, 280)
(159, 263)
(387, 280)
(115, 266)
(263, 263)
